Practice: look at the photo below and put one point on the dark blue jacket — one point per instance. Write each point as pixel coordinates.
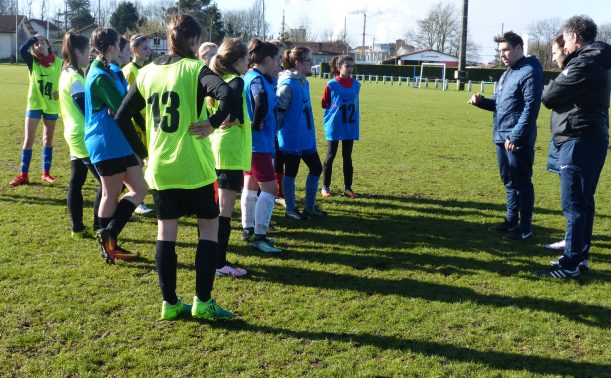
(516, 103)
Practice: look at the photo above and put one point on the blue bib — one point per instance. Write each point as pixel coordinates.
(103, 138)
(297, 133)
(262, 140)
(342, 119)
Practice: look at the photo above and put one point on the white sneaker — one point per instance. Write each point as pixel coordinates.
(280, 201)
(557, 246)
(142, 209)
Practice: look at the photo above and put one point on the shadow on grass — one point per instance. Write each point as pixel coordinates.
(494, 360)
(593, 315)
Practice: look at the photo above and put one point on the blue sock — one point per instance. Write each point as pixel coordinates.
(288, 189)
(47, 156)
(311, 190)
(26, 158)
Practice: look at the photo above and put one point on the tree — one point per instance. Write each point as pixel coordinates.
(7, 7)
(125, 17)
(604, 33)
(79, 13)
(213, 24)
(541, 33)
(246, 23)
(44, 11)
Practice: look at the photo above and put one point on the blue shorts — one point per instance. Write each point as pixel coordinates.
(37, 114)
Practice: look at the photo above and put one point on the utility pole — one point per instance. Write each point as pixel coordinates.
(461, 74)
(345, 36)
(16, 31)
(282, 35)
(264, 31)
(363, 46)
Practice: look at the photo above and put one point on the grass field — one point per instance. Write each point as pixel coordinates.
(403, 281)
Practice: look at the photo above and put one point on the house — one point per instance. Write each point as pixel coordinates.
(7, 35)
(416, 58)
(87, 30)
(42, 26)
(322, 52)
(158, 43)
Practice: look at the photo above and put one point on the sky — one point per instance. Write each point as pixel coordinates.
(388, 20)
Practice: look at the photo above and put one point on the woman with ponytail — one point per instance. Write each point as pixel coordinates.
(115, 151)
(341, 120)
(296, 132)
(75, 54)
(180, 170)
(43, 103)
(261, 105)
(231, 146)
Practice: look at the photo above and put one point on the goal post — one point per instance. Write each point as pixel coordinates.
(443, 71)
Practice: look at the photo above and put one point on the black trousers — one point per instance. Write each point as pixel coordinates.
(78, 175)
(347, 159)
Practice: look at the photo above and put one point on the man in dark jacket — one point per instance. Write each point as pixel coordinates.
(579, 99)
(515, 104)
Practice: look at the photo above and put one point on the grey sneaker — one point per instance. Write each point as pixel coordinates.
(557, 246)
(264, 246)
(294, 214)
(504, 227)
(314, 213)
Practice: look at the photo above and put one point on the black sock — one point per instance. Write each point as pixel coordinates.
(124, 212)
(104, 222)
(205, 257)
(224, 232)
(166, 260)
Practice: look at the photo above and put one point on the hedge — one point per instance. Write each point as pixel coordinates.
(474, 74)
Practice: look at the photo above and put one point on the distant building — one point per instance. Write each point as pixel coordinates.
(7, 35)
(381, 52)
(41, 27)
(87, 30)
(322, 52)
(298, 34)
(423, 56)
(158, 43)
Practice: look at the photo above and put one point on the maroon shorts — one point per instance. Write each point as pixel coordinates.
(262, 167)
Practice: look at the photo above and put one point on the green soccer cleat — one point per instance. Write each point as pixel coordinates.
(208, 310)
(172, 311)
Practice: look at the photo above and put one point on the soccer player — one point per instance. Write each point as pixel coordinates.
(579, 99)
(75, 54)
(140, 52)
(180, 170)
(261, 106)
(43, 103)
(341, 119)
(231, 145)
(296, 131)
(206, 51)
(278, 155)
(116, 152)
(515, 105)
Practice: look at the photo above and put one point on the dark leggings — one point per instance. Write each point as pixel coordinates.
(78, 175)
(278, 160)
(312, 160)
(346, 156)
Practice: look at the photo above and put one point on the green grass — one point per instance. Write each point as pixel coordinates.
(403, 281)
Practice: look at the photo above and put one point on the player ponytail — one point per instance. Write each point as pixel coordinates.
(259, 50)
(101, 40)
(293, 55)
(182, 27)
(72, 42)
(230, 51)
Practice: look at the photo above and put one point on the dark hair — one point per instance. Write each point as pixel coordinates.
(229, 52)
(559, 40)
(122, 43)
(583, 26)
(101, 39)
(136, 40)
(71, 42)
(259, 50)
(181, 28)
(510, 37)
(293, 55)
(278, 43)
(337, 62)
(50, 50)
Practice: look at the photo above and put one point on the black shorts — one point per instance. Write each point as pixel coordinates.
(176, 203)
(230, 179)
(113, 166)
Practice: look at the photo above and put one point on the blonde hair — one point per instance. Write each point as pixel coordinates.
(230, 51)
(204, 48)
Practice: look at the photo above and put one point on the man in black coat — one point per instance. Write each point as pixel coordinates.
(579, 99)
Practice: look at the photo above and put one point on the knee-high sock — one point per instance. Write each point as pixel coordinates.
(265, 205)
(166, 260)
(288, 184)
(224, 233)
(26, 158)
(124, 212)
(205, 257)
(248, 202)
(47, 157)
(311, 188)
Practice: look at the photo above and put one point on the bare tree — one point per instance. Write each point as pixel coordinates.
(541, 33)
(604, 33)
(246, 23)
(439, 28)
(7, 7)
(44, 11)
